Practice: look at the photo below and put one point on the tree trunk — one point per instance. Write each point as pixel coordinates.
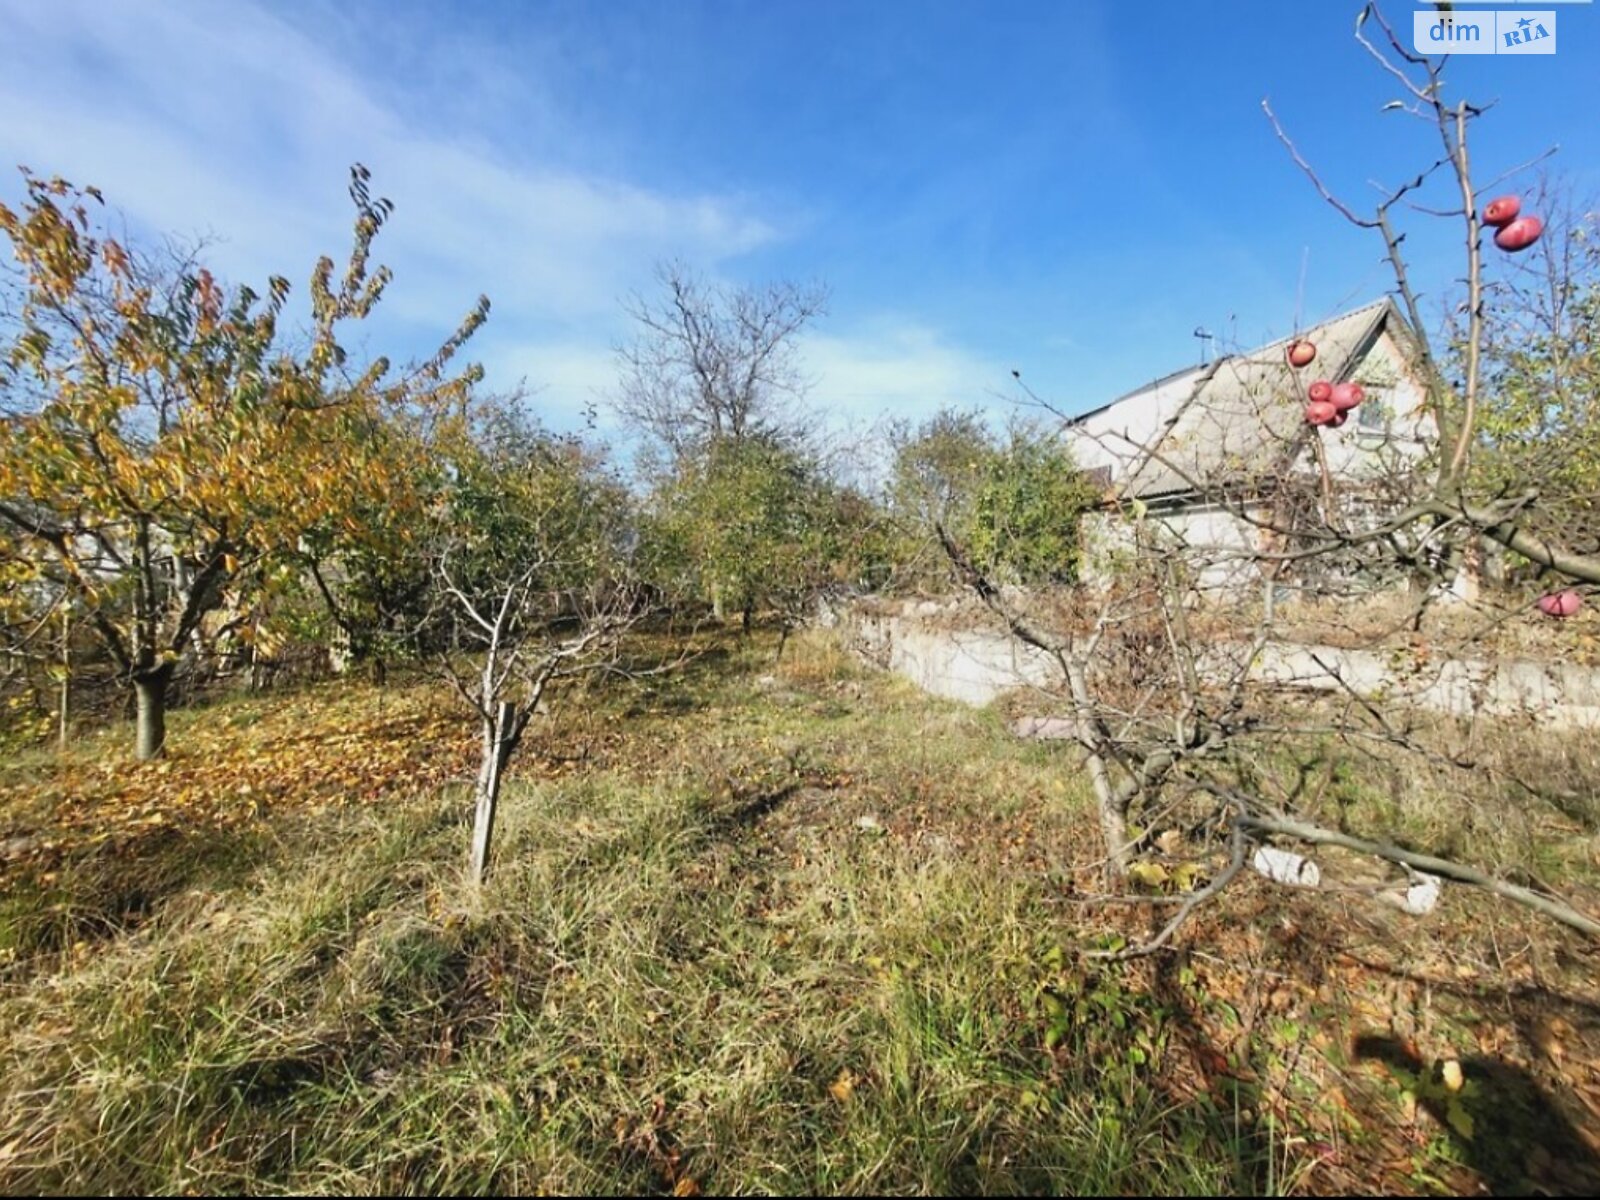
(340, 651)
(716, 603)
(1110, 806)
(499, 739)
(65, 732)
(258, 666)
(150, 694)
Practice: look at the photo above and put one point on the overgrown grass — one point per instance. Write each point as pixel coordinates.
(788, 930)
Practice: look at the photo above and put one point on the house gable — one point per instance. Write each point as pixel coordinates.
(1241, 419)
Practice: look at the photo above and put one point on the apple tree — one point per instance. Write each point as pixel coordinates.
(161, 435)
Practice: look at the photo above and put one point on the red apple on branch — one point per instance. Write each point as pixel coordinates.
(1321, 390)
(1347, 395)
(1320, 412)
(1301, 353)
(1502, 210)
(1520, 234)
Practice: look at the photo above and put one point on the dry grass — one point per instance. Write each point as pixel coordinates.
(1497, 626)
(790, 929)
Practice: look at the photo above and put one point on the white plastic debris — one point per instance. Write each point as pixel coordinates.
(1283, 866)
(1045, 729)
(1423, 894)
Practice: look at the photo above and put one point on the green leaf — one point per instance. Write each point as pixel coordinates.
(1186, 875)
(1148, 875)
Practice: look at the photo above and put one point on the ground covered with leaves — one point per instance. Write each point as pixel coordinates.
(749, 929)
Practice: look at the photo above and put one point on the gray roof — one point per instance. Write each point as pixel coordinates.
(1244, 418)
(1138, 391)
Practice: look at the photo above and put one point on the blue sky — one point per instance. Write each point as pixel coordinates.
(1064, 188)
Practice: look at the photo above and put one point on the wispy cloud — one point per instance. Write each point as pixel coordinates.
(563, 379)
(883, 368)
(900, 368)
(239, 123)
(232, 124)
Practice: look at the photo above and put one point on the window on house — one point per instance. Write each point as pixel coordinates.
(1373, 416)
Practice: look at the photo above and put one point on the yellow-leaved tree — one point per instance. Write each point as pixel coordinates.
(162, 438)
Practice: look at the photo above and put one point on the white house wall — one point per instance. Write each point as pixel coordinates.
(1222, 545)
(1219, 545)
(1112, 438)
(1355, 451)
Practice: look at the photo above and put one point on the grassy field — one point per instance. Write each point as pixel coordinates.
(749, 929)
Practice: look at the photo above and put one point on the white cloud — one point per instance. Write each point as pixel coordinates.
(233, 124)
(236, 124)
(565, 380)
(896, 367)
